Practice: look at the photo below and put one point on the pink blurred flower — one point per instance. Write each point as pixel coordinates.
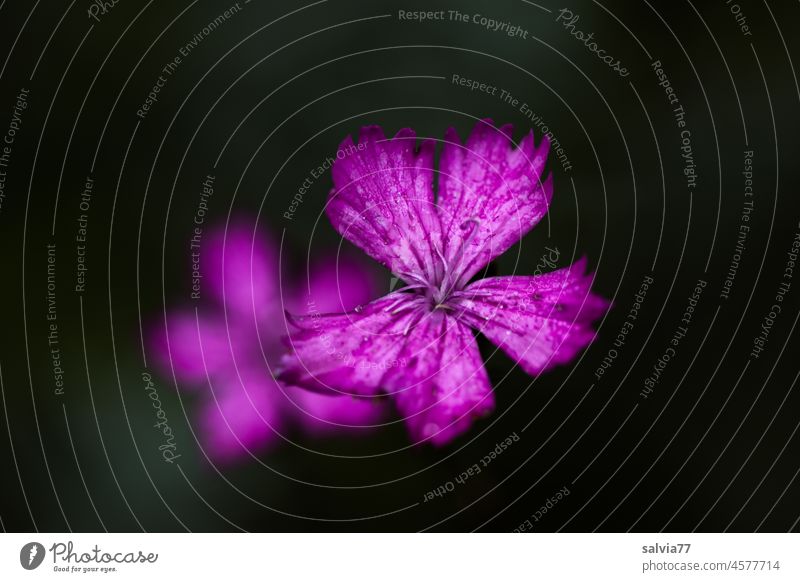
(225, 352)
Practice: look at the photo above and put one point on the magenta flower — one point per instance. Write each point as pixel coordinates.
(226, 352)
(417, 344)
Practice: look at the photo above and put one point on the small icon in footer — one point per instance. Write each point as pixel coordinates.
(31, 555)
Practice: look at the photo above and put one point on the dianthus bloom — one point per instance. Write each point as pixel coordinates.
(417, 344)
(225, 350)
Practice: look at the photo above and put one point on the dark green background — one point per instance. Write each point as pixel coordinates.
(339, 68)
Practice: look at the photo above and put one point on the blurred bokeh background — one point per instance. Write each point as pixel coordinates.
(259, 102)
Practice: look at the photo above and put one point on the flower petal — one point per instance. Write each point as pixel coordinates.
(249, 283)
(441, 385)
(348, 353)
(383, 201)
(322, 413)
(242, 417)
(334, 284)
(197, 346)
(539, 321)
(490, 194)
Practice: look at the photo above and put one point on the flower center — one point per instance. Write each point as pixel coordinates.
(437, 293)
(448, 277)
(439, 298)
